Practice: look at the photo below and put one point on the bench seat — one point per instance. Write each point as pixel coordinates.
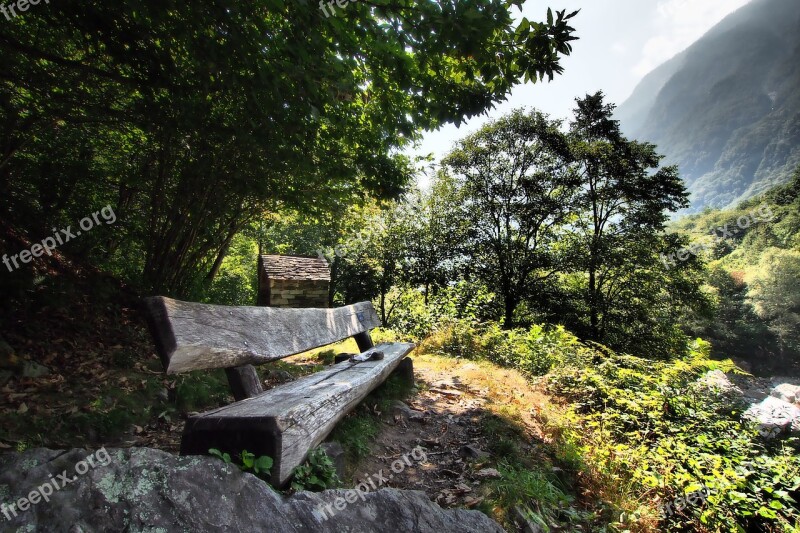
(290, 420)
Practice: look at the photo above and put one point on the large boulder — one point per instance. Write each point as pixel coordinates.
(787, 392)
(774, 417)
(142, 489)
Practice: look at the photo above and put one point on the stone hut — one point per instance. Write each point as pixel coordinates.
(293, 281)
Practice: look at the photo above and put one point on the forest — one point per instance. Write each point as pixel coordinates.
(552, 253)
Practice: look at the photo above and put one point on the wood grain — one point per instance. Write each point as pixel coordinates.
(193, 336)
(290, 420)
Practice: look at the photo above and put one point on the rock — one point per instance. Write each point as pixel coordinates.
(142, 489)
(472, 452)
(787, 392)
(32, 369)
(401, 409)
(522, 517)
(18, 366)
(717, 381)
(8, 359)
(488, 473)
(774, 416)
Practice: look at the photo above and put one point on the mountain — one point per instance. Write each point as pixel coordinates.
(727, 109)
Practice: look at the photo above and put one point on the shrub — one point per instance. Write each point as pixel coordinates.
(648, 425)
(413, 319)
(533, 351)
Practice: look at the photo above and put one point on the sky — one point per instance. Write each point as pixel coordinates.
(620, 42)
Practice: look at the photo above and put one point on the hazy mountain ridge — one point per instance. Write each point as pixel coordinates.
(727, 109)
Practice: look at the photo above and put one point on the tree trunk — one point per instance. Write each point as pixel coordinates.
(510, 307)
(593, 314)
(223, 251)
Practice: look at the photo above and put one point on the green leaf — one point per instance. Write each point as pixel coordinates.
(248, 459)
(263, 464)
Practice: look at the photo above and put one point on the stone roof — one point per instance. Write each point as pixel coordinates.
(295, 267)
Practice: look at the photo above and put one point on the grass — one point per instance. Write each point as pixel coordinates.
(358, 429)
(534, 478)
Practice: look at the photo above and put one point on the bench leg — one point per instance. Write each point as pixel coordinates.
(244, 382)
(405, 370)
(364, 341)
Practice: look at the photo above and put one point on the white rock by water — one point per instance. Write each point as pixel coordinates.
(774, 416)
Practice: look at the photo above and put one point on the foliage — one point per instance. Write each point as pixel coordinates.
(752, 278)
(195, 120)
(622, 209)
(649, 424)
(526, 487)
(516, 190)
(563, 227)
(318, 473)
(260, 466)
(237, 281)
(775, 293)
(368, 264)
(533, 351)
(415, 318)
(198, 391)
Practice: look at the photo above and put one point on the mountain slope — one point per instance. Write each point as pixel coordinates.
(727, 109)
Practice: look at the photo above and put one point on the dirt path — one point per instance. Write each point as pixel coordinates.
(452, 417)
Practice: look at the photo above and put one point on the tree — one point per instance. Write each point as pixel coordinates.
(195, 119)
(517, 189)
(369, 263)
(434, 247)
(775, 294)
(623, 207)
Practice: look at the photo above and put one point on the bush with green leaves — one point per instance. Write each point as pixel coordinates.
(533, 351)
(318, 473)
(650, 424)
(248, 462)
(415, 318)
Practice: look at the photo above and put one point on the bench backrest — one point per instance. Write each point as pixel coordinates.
(193, 336)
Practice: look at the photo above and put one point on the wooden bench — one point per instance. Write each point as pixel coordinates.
(285, 422)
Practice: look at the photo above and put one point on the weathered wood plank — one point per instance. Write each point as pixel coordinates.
(290, 420)
(192, 336)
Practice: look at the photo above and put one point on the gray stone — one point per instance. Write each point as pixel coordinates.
(786, 392)
(141, 489)
(488, 473)
(774, 417)
(401, 409)
(32, 369)
(717, 381)
(524, 520)
(472, 452)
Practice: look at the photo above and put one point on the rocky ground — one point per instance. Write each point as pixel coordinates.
(774, 403)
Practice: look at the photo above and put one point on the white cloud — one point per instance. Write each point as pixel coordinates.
(678, 24)
(619, 48)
